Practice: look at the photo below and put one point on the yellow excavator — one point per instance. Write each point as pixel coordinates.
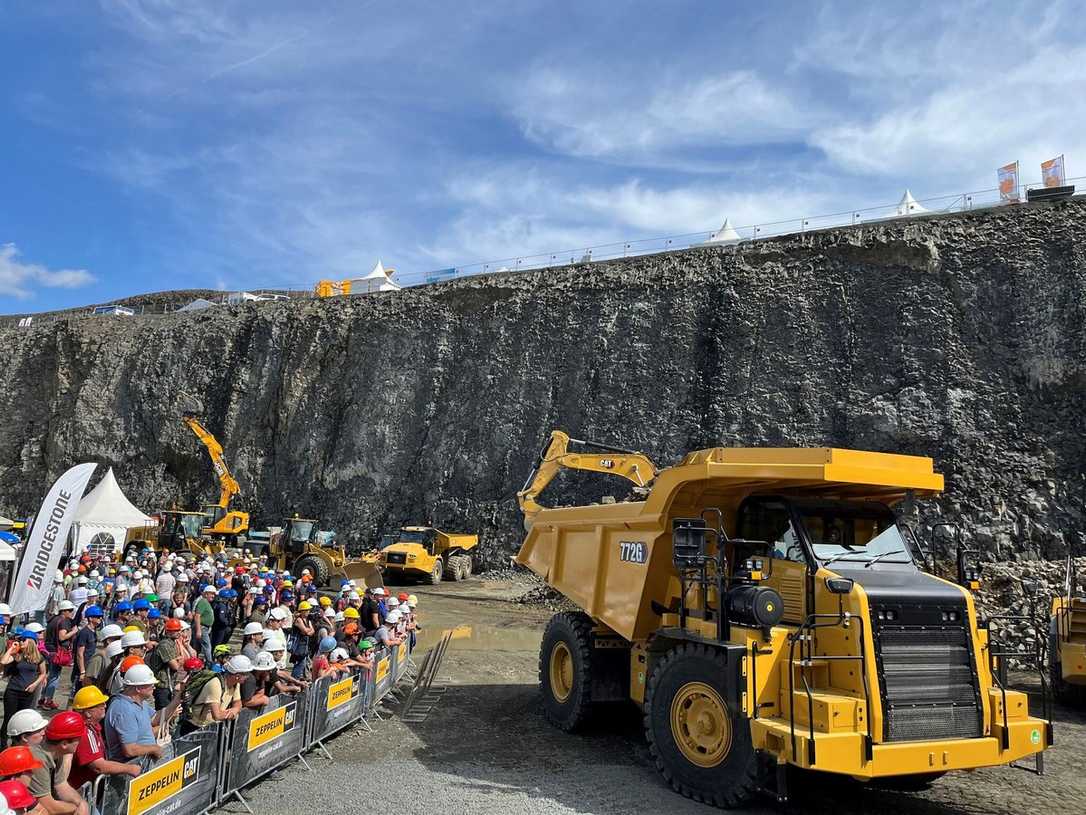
(765, 609)
(225, 524)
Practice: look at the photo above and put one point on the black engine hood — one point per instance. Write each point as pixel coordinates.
(901, 584)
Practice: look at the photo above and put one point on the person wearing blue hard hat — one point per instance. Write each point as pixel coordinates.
(141, 607)
(122, 612)
(86, 644)
(225, 617)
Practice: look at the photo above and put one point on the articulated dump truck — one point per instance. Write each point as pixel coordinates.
(765, 609)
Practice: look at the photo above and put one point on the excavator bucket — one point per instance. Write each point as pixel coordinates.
(365, 570)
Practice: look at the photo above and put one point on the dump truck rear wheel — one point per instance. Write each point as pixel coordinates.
(317, 568)
(452, 567)
(436, 573)
(701, 746)
(565, 670)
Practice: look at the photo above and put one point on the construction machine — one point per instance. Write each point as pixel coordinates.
(223, 524)
(1067, 640)
(765, 610)
(177, 531)
(423, 552)
(300, 544)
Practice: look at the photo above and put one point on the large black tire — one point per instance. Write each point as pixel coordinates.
(467, 561)
(692, 680)
(436, 574)
(452, 567)
(463, 567)
(317, 567)
(565, 670)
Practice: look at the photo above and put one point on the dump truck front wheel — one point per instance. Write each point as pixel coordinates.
(565, 670)
(701, 745)
(435, 574)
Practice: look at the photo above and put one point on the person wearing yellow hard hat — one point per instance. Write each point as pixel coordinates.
(90, 760)
(325, 602)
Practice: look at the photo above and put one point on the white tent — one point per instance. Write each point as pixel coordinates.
(6, 523)
(105, 516)
(908, 206)
(377, 280)
(725, 235)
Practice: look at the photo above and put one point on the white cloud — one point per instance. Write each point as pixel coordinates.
(19, 279)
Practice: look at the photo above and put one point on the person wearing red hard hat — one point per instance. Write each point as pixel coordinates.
(15, 799)
(90, 760)
(18, 763)
(49, 783)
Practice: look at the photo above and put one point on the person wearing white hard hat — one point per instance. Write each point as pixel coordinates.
(25, 728)
(252, 639)
(131, 719)
(109, 634)
(25, 671)
(386, 631)
(220, 699)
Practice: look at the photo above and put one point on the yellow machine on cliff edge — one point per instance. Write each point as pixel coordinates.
(764, 608)
(225, 525)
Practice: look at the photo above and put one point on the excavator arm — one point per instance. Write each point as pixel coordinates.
(228, 486)
(597, 458)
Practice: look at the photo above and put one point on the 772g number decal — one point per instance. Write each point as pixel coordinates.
(633, 551)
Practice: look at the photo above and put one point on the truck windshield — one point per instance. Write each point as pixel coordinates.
(414, 536)
(301, 530)
(857, 533)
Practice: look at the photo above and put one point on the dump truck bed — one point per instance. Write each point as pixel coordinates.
(615, 560)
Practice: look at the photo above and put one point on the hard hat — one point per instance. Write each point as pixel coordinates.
(92, 611)
(58, 577)
(353, 596)
(338, 655)
(208, 589)
(378, 592)
(254, 590)
(138, 574)
(82, 579)
(172, 624)
(65, 726)
(16, 761)
(154, 614)
(350, 629)
(305, 572)
(124, 569)
(129, 661)
(23, 721)
(273, 643)
(251, 629)
(305, 605)
(133, 639)
(327, 645)
(16, 794)
(66, 605)
(336, 615)
(34, 628)
(350, 614)
(393, 616)
(5, 610)
(114, 649)
(365, 645)
(264, 661)
(326, 601)
(88, 697)
(193, 664)
(123, 607)
(403, 597)
(182, 578)
(261, 584)
(95, 573)
(139, 675)
(393, 602)
(239, 664)
(279, 613)
(112, 630)
(151, 598)
(185, 626)
(221, 650)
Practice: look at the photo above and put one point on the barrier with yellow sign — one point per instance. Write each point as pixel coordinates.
(263, 741)
(186, 783)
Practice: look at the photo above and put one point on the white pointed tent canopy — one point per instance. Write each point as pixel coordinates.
(725, 235)
(6, 523)
(105, 516)
(908, 206)
(377, 280)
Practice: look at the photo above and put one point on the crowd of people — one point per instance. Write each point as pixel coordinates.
(158, 646)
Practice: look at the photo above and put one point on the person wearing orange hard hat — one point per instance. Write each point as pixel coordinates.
(89, 760)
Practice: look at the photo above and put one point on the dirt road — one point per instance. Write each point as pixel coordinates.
(486, 749)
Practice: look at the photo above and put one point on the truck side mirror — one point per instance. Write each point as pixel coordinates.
(689, 538)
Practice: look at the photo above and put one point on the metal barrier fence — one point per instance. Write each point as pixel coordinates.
(209, 767)
(942, 204)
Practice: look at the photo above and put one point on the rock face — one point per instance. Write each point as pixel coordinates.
(961, 337)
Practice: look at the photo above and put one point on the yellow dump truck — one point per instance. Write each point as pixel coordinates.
(764, 608)
(1067, 641)
(422, 552)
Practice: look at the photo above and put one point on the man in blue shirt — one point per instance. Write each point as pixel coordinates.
(131, 719)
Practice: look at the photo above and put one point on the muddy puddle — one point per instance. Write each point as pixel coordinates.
(480, 624)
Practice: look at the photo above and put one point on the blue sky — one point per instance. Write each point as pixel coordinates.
(161, 144)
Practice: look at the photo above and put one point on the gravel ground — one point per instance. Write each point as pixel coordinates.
(486, 749)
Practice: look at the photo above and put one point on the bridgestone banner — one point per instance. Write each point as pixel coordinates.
(48, 537)
(337, 704)
(184, 784)
(263, 741)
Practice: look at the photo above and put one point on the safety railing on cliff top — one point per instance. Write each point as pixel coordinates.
(943, 204)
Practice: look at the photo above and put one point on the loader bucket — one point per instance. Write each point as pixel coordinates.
(365, 570)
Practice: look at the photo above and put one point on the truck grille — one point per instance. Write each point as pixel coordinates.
(928, 684)
(396, 557)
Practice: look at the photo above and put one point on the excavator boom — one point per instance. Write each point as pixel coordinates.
(597, 458)
(228, 486)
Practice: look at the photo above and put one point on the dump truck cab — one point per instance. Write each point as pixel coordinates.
(426, 553)
(765, 608)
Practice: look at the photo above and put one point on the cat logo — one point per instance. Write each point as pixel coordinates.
(158, 785)
(268, 727)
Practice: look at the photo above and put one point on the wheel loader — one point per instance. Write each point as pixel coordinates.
(300, 545)
(765, 611)
(1067, 640)
(422, 552)
(177, 531)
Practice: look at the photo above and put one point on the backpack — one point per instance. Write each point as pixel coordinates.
(194, 688)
